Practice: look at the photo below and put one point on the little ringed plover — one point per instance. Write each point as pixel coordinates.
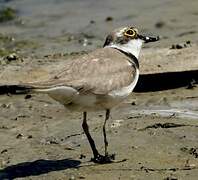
(99, 80)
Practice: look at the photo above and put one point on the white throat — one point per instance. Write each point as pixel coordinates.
(133, 47)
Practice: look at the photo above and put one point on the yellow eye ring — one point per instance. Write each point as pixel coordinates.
(130, 33)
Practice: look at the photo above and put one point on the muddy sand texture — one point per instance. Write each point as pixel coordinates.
(155, 132)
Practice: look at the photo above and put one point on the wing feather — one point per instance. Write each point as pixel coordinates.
(99, 72)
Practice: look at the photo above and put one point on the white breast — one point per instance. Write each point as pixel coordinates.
(125, 91)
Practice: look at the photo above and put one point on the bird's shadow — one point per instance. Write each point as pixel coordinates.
(37, 167)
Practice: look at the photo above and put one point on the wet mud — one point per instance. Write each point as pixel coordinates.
(153, 133)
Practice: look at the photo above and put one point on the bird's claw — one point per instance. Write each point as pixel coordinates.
(100, 159)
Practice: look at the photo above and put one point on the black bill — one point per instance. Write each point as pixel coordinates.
(147, 39)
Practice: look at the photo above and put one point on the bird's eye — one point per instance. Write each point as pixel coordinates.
(130, 33)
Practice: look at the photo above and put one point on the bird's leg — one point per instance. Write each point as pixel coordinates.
(86, 130)
(108, 157)
(104, 131)
(98, 158)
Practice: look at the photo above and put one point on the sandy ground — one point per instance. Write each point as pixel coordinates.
(153, 134)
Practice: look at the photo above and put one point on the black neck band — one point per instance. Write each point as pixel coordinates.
(132, 60)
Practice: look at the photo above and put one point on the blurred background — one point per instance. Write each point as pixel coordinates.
(52, 26)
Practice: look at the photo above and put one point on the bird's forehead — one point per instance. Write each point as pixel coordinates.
(119, 32)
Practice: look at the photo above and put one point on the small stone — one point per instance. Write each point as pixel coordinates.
(30, 137)
(81, 177)
(173, 47)
(82, 156)
(109, 18)
(92, 22)
(19, 136)
(28, 96)
(179, 46)
(159, 24)
(188, 42)
(133, 103)
(12, 57)
(4, 151)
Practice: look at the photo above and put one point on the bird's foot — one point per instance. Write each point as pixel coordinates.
(100, 159)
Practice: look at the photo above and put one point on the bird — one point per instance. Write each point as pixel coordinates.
(99, 80)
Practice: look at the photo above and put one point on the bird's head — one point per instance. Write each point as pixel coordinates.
(128, 40)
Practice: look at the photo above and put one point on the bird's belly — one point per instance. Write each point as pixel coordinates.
(93, 102)
(75, 101)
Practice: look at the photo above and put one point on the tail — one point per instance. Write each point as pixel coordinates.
(61, 93)
(16, 89)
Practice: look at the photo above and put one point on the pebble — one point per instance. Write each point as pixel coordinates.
(181, 46)
(19, 136)
(30, 137)
(4, 151)
(109, 18)
(92, 22)
(81, 177)
(28, 96)
(159, 24)
(82, 156)
(12, 57)
(133, 103)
